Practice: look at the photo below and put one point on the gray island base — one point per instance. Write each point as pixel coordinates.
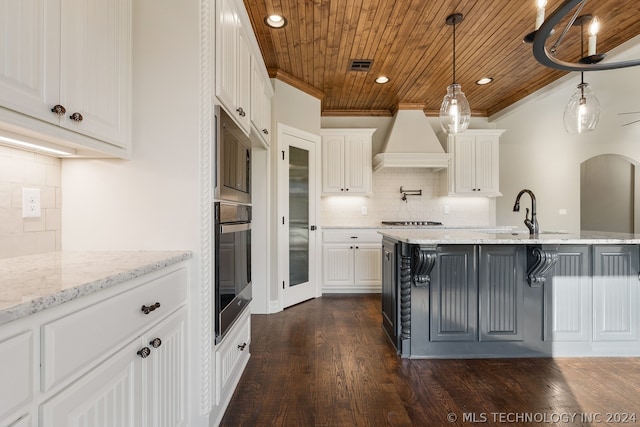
(465, 294)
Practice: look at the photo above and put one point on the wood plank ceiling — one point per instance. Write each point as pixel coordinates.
(410, 43)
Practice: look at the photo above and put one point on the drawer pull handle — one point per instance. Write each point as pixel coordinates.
(144, 352)
(58, 110)
(242, 346)
(354, 237)
(155, 343)
(76, 117)
(148, 309)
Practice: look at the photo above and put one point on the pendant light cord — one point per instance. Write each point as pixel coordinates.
(454, 52)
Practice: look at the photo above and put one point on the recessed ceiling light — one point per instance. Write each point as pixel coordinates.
(382, 79)
(275, 21)
(484, 81)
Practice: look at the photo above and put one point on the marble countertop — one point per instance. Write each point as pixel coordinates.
(507, 237)
(30, 284)
(417, 227)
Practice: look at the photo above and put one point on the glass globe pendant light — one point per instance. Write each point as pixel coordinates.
(582, 113)
(455, 112)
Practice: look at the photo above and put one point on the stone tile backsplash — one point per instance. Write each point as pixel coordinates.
(28, 236)
(386, 202)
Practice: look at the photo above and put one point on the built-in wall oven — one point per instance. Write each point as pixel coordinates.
(233, 160)
(232, 225)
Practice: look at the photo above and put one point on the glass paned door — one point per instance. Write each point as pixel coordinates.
(298, 216)
(297, 182)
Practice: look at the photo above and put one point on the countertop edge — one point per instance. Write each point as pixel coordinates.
(43, 302)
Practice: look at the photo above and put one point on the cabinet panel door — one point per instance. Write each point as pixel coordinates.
(486, 165)
(95, 67)
(266, 115)
(357, 153)
(454, 295)
(30, 57)
(615, 293)
(501, 285)
(166, 369)
(243, 101)
(333, 164)
(367, 265)
(389, 291)
(16, 372)
(464, 164)
(567, 296)
(107, 396)
(338, 265)
(226, 51)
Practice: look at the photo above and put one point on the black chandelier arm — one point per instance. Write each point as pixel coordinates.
(543, 56)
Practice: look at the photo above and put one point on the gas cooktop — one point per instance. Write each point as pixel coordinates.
(409, 223)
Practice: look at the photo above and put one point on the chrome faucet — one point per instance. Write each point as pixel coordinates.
(532, 224)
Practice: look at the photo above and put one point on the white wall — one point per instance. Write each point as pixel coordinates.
(152, 202)
(537, 153)
(299, 110)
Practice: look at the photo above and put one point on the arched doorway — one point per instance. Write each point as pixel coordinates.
(608, 184)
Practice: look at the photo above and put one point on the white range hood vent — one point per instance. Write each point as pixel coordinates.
(412, 143)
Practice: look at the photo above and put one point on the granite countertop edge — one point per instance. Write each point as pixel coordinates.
(25, 270)
(435, 237)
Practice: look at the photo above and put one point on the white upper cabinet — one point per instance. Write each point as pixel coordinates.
(346, 161)
(233, 64)
(261, 94)
(67, 63)
(475, 168)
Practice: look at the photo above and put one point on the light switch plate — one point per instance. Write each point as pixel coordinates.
(31, 203)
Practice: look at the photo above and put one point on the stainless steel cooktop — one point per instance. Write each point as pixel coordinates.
(409, 223)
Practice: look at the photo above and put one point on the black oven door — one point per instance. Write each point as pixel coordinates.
(232, 269)
(233, 152)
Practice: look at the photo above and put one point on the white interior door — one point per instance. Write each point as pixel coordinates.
(298, 203)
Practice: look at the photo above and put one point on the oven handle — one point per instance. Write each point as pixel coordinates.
(234, 228)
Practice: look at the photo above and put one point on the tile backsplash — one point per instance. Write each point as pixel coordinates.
(386, 202)
(27, 236)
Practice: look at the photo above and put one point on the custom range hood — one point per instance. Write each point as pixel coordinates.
(411, 143)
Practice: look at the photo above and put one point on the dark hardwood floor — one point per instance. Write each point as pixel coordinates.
(327, 362)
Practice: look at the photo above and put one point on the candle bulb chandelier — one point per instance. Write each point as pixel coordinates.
(455, 113)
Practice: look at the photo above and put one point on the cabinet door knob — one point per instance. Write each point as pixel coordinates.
(350, 247)
(357, 247)
(144, 352)
(148, 309)
(265, 131)
(58, 110)
(76, 117)
(155, 343)
(242, 346)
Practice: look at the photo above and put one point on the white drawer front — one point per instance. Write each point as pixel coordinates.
(351, 236)
(76, 342)
(16, 372)
(230, 355)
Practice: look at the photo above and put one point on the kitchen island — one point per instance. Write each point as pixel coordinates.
(464, 294)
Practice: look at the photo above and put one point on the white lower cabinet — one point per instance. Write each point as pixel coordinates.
(143, 384)
(352, 261)
(113, 358)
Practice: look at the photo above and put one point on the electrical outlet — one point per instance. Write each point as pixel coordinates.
(31, 203)
(446, 209)
(562, 211)
(363, 210)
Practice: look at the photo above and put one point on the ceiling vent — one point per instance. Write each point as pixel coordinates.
(360, 64)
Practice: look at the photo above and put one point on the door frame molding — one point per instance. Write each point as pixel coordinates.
(282, 176)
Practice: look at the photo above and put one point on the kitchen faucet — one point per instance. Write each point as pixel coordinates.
(532, 224)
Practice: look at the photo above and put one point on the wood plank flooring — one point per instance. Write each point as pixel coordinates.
(327, 362)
